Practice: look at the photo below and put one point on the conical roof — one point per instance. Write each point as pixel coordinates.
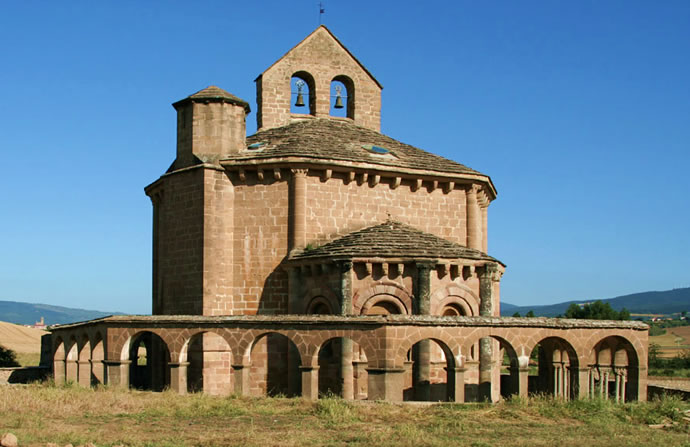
(213, 93)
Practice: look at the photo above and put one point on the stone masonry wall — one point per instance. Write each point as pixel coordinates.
(337, 207)
(259, 246)
(178, 283)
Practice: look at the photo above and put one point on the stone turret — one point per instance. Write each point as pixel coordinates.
(210, 124)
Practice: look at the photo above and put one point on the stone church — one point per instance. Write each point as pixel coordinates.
(320, 256)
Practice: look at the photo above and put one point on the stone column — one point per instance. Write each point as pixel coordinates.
(386, 384)
(346, 347)
(298, 235)
(456, 384)
(473, 218)
(84, 373)
(71, 371)
(241, 376)
(178, 377)
(310, 382)
(422, 350)
(486, 309)
(523, 382)
(345, 287)
(485, 227)
(59, 371)
(117, 372)
(582, 386)
(97, 371)
(360, 384)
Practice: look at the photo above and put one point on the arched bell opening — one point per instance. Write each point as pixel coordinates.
(384, 304)
(209, 367)
(614, 372)
(429, 372)
(342, 97)
(342, 369)
(553, 369)
(302, 93)
(149, 362)
(275, 366)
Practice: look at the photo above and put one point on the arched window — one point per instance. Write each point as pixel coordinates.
(342, 97)
(303, 93)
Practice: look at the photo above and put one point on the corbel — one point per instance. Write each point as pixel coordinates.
(276, 173)
(417, 184)
(327, 173)
(260, 174)
(396, 182)
(375, 179)
(351, 176)
(242, 174)
(434, 185)
(449, 187)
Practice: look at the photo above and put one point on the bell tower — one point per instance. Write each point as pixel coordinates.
(318, 75)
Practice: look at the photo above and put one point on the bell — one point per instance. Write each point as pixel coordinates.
(338, 102)
(300, 100)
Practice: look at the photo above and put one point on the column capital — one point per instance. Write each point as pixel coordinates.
(345, 266)
(299, 172)
(425, 265)
(490, 271)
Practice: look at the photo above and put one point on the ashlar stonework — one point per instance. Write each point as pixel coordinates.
(321, 256)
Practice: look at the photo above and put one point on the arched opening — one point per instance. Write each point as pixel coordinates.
(553, 369)
(429, 372)
(59, 361)
(453, 310)
(71, 361)
(209, 369)
(342, 369)
(384, 304)
(84, 362)
(302, 93)
(614, 372)
(342, 99)
(510, 369)
(150, 358)
(319, 305)
(275, 362)
(97, 357)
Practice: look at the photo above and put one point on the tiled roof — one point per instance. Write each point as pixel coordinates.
(322, 138)
(215, 93)
(392, 240)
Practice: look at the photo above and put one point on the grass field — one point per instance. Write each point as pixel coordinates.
(39, 414)
(673, 342)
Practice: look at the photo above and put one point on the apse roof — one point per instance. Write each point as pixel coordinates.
(330, 139)
(391, 239)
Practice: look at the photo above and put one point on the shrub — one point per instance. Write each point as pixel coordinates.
(7, 357)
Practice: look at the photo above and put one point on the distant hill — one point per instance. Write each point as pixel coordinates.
(666, 302)
(29, 313)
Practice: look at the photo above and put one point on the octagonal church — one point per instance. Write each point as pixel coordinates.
(321, 256)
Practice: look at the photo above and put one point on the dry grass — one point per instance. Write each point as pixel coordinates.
(38, 414)
(20, 339)
(673, 342)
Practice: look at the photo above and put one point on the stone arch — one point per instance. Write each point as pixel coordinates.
(320, 299)
(84, 361)
(274, 361)
(59, 356)
(71, 360)
(558, 366)
(429, 369)
(310, 85)
(457, 296)
(342, 367)
(394, 294)
(615, 370)
(208, 358)
(149, 356)
(349, 103)
(97, 358)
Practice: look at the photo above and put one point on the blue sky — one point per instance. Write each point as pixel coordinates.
(579, 112)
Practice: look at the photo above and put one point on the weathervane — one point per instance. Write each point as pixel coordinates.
(322, 10)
